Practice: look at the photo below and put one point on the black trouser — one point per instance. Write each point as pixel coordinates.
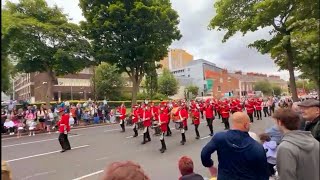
(209, 121)
(219, 115)
(271, 110)
(135, 129)
(122, 125)
(196, 129)
(75, 120)
(255, 113)
(271, 170)
(64, 142)
(215, 112)
(265, 111)
(201, 114)
(259, 114)
(226, 123)
(168, 127)
(251, 117)
(146, 135)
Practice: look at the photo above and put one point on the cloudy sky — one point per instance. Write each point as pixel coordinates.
(195, 16)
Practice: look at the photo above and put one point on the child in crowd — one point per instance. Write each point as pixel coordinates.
(20, 128)
(112, 116)
(50, 119)
(32, 127)
(96, 118)
(271, 151)
(9, 124)
(186, 169)
(71, 120)
(86, 117)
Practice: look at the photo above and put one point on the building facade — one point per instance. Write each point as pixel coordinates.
(33, 87)
(176, 59)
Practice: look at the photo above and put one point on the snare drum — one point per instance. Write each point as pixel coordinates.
(178, 125)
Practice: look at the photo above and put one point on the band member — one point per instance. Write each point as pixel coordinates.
(209, 114)
(196, 120)
(166, 110)
(163, 121)
(146, 119)
(258, 107)
(122, 110)
(265, 108)
(135, 119)
(154, 113)
(64, 128)
(183, 116)
(250, 109)
(225, 115)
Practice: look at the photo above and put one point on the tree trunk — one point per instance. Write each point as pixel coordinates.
(51, 78)
(292, 80)
(135, 89)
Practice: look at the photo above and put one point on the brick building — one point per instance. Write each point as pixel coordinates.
(33, 86)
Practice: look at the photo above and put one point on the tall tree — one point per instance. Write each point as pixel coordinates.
(193, 89)
(132, 34)
(283, 16)
(43, 40)
(263, 86)
(151, 83)
(108, 81)
(168, 84)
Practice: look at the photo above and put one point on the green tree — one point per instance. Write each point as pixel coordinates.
(307, 85)
(108, 81)
(263, 86)
(151, 83)
(132, 34)
(285, 17)
(43, 40)
(168, 84)
(193, 89)
(276, 90)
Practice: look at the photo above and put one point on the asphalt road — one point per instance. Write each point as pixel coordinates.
(38, 157)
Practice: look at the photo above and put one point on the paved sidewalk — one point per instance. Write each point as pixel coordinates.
(3, 136)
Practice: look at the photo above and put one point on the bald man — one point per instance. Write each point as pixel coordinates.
(239, 156)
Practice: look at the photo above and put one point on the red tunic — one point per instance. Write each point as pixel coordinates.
(163, 121)
(183, 115)
(258, 105)
(196, 117)
(122, 111)
(225, 112)
(249, 108)
(146, 118)
(135, 116)
(64, 123)
(209, 111)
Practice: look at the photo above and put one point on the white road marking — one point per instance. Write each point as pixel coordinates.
(132, 136)
(32, 142)
(103, 158)
(40, 174)
(36, 155)
(205, 137)
(109, 130)
(88, 175)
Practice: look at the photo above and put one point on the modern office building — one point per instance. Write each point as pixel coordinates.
(176, 59)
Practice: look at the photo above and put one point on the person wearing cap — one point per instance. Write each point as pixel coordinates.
(258, 108)
(163, 121)
(154, 115)
(122, 110)
(196, 119)
(183, 116)
(64, 128)
(146, 119)
(209, 114)
(135, 119)
(310, 110)
(166, 110)
(250, 109)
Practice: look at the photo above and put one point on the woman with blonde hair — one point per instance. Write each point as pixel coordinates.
(127, 170)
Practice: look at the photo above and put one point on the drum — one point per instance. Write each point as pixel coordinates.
(178, 125)
(173, 117)
(140, 125)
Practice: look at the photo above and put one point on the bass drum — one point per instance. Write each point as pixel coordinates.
(172, 114)
(178, 125)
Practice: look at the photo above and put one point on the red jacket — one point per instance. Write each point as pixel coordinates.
(225, 112)
(64, 123)
(183, 115)
(258, 105)
(196, 117)
(209, 111)
(163, 120)
(146, 118)
(122, 111)
(135, 116)
(154, 111)
(249, 108)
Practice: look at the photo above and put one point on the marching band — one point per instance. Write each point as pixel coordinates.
(158, 117)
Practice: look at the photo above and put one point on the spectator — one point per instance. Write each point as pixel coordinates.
(275, 134)
(5, 171)
(186, 169)
(271, 150)
(9, 124)
(49, 121)
(310, 110)
(127, 170)
(298, 152)
(239, 156)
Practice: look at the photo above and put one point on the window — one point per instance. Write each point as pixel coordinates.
(221, 80)
(219, 88)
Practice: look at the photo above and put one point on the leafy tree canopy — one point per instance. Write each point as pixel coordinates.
(43, 40)
(263, 86)
(168, 84)
(131, 34)
(108, 81)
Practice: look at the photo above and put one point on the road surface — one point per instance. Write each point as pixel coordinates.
(38, 157)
